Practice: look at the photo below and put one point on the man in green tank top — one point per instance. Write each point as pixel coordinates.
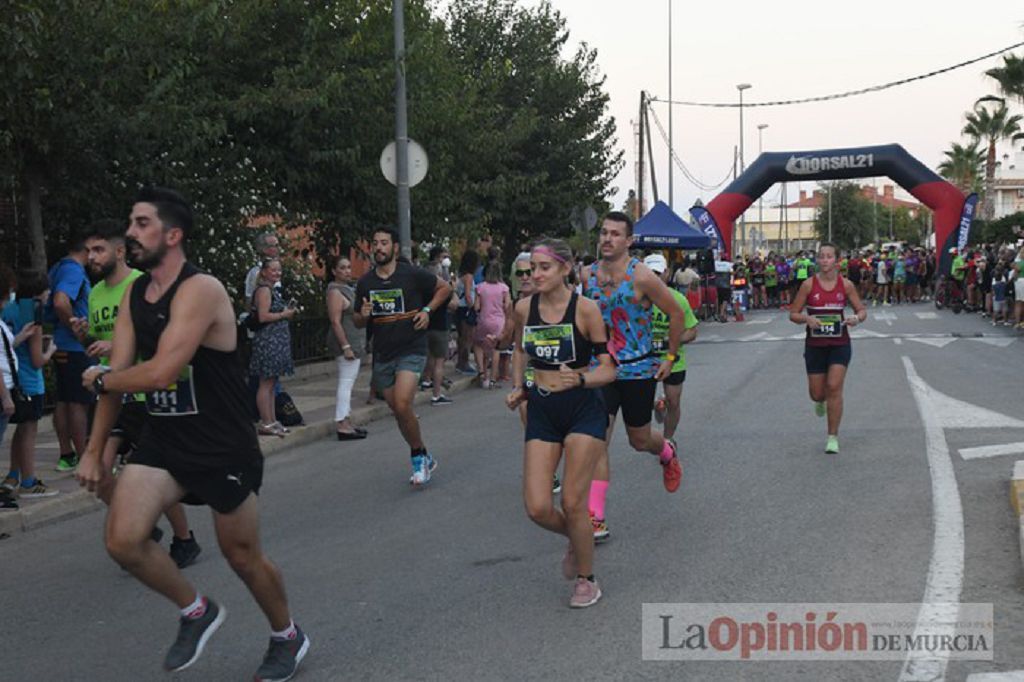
(105, 246)
(668, 410)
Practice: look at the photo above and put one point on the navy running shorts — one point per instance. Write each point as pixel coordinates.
(551, 417)
(818, 358)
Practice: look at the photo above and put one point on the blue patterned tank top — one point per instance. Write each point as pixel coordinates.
(629, 326)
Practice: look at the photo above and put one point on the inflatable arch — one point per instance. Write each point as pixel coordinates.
(953, 211)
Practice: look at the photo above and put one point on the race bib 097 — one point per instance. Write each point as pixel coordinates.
(552, 343)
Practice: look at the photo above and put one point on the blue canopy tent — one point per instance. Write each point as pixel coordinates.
(661, 228)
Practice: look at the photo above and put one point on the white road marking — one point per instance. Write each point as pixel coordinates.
(898, 341)
(1000, 341)
(927, 316)
(884, 316)
(940, 605)
(958, 414)
(754, 337)
(860, 333)
(938, 342)
(992, 451)
(1012, 676)
(760, 320)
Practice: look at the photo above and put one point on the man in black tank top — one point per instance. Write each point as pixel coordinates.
(197, 446)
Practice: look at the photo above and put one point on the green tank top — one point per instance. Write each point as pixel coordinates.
(659, 329)
(104, 302)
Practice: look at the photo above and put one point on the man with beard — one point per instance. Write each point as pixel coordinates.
(395, 299)
(105, 247)
(197, 445)
(625, 290)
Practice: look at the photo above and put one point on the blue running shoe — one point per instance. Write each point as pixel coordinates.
(420, 471)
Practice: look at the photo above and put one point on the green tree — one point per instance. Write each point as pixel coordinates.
(992, 126)
(1010, 77)
(852, 218)
(964, 166)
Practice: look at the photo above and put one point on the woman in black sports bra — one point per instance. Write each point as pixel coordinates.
(562, 336)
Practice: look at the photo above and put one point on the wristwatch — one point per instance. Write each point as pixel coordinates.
(425, 309)
(97, 384)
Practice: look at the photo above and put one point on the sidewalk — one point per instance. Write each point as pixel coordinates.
(312, 388)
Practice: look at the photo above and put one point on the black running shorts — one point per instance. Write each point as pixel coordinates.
(129, 425)
(551, 417)
(221, 487)
(635, 397)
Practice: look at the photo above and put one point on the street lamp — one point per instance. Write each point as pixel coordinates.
(760, 200)
(743, 222)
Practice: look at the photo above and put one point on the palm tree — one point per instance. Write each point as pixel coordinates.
(1010, 77)
(964, 167)
(992, 127)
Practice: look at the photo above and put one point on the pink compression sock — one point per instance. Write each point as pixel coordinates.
(598, 490)
(666, 452)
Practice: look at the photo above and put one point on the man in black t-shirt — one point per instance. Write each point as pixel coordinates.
(396, 299)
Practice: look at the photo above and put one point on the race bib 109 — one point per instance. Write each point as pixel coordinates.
(387, 302)
(551, 343)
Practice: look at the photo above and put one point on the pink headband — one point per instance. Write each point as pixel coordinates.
(548, 251)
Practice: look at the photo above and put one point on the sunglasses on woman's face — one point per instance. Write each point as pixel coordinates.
(524, 273)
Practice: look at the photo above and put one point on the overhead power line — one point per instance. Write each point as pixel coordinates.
(699, 184)
(840, 95)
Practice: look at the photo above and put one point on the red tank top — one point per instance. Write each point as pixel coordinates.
(828, 306)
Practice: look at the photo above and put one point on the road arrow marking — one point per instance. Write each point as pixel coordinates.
(884, 316)
(992, 451)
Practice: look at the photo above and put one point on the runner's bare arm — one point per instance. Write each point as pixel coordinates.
(594, 329)
(651, 286)
(194, 312)
(858, 306)
(108, 405)
(796, 308)
(518, 393)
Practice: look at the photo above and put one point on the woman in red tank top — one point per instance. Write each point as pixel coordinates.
(827, 350)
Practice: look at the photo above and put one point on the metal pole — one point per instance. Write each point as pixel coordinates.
(402, 134)
(830, 211)
(743, 216)
(641, 171)
(650, 155)
(760, 199)
(670, 137)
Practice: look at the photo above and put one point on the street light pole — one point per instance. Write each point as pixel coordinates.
(402, 134)
(670, 138)
(760, 199)
(743, 220)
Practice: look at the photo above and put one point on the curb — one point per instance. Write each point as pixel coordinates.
(79, 502)
(1017, 501)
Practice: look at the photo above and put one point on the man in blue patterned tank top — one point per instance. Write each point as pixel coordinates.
(625, 289)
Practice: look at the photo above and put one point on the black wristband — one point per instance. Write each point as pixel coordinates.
(583, 380)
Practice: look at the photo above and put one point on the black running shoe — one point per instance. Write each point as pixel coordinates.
(193, 634)
(156, 535)
(283, 657)
(185, 552)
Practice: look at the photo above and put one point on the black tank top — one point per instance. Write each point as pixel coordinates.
(550, 345)
(202, 419)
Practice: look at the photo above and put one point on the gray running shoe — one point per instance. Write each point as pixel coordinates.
(193, 633)
(283, 657)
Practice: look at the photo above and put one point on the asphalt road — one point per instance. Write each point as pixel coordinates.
(455, 583)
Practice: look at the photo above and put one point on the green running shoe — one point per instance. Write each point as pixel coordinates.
(819, 408)
(67, 462)
(832, 446)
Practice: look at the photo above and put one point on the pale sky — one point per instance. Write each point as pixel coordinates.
(791, 49)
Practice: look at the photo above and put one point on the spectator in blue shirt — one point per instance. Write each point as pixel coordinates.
(20, 316)
(69, 301)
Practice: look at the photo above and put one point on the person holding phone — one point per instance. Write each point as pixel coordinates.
(272, 345)
(827, 349)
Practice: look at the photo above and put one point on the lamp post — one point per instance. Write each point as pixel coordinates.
(760, 200)
(402, 134)
(743, 221)
(670, 138)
